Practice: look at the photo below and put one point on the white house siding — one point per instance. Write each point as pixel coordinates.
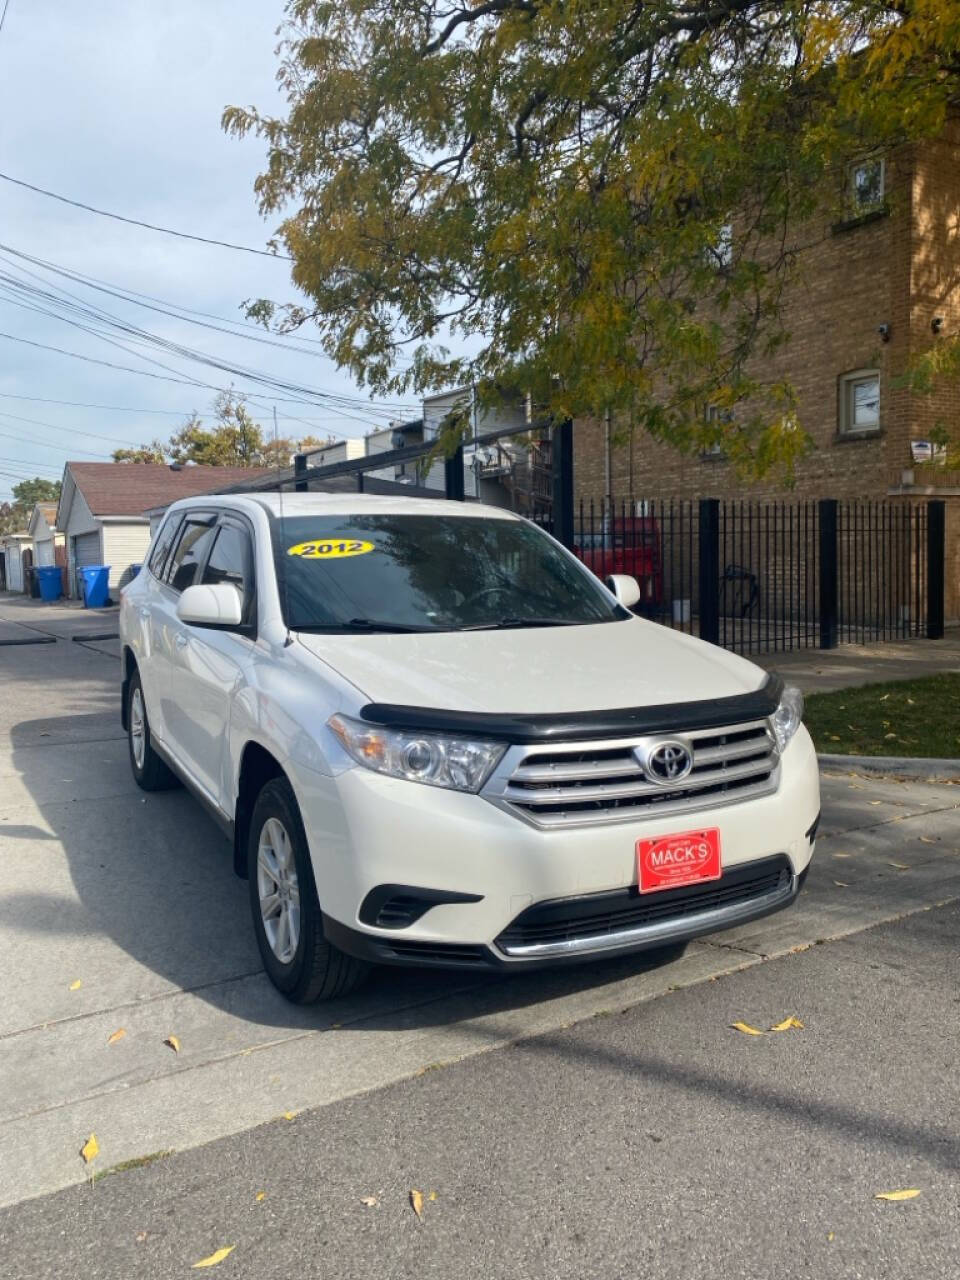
(43, 551)
(124, 547)
(81, 524)
(14, 568)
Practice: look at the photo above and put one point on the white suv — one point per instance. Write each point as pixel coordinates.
(435, 738)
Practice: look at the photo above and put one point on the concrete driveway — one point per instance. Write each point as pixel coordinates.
(120, 912)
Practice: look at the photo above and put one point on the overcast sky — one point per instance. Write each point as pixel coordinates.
(117, 103)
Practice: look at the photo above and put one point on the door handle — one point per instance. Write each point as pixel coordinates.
(181, 640)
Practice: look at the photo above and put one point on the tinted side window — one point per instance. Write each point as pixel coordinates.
(163, 544)
(192, 545)
(231, 561)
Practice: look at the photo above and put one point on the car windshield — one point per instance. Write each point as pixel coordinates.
(424, 573)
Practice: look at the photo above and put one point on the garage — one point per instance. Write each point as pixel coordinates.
(86, 551)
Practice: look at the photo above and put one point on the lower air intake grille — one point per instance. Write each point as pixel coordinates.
(601, 914)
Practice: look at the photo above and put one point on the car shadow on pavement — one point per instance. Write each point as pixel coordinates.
(155, 890)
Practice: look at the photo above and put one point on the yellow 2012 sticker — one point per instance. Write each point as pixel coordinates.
(330, 549)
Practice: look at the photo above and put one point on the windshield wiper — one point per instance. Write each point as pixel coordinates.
(508, 624)
(363, 625)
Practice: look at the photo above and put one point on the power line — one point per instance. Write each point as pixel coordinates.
(136, 222)
(127, 408)
(6, 6)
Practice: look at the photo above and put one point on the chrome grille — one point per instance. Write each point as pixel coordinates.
(576, 783)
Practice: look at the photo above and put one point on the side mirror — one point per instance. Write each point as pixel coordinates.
(624, 587)
(216, 605)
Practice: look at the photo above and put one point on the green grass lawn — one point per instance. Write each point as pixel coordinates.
(902, 718)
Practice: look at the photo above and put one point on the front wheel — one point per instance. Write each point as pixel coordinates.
(149, 772)
(299, 960)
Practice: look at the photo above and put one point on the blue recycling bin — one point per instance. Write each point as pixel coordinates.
(50, 582)
(96, 585)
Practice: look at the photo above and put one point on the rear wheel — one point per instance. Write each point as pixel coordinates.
(287, 919)
(149, 771)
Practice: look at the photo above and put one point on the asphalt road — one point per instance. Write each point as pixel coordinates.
(655, 1141)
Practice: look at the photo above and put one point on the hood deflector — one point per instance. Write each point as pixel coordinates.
(667, 717)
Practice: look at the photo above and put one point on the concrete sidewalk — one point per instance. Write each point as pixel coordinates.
(823, 670)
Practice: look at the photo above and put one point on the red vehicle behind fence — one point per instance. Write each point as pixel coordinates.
(626, 544)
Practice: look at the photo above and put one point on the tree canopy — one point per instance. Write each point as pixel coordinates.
(233, 439)
(15, 515)
(604, 199)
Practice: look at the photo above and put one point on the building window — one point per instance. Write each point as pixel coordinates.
(860, 403)
(717, 418)
(865, 187)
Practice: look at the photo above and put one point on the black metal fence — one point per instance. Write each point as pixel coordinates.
(765, 576)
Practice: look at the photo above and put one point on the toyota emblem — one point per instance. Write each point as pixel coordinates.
(667, 762)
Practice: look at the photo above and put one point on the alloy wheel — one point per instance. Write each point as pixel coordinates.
(138, 733)
(278, 890)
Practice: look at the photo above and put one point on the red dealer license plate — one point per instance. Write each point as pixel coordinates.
(669, 862)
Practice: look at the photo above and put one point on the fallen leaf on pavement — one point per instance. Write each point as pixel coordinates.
(901, 866)
(876, 802)
(910, 1194)
(829, 1236)
(90, 1149)
(432, 1195)
(173, 1043)
(290, 1115)
(841, 884)
(75, 986)
(843, 855)
(369, 1201)
(261, 1195)
(117, 1035)
(787, 1024)
(746, 1029)
(928, 839)
(416, 1203)
(215, 1258)
(141, 1236)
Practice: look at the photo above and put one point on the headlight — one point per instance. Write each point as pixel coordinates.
(462, 764)
(785, 721)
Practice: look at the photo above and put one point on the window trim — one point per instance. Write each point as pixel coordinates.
(846, 430)
(173, 519)
(190, 516)
(228, 518)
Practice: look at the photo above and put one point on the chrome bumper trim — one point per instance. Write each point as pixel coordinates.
(680, 929)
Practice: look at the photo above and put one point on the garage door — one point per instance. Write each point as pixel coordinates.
(86, 550)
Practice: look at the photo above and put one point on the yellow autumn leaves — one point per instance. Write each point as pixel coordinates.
(788, 1024)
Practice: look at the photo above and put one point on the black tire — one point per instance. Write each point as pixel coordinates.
(151, 774)
(317, 970)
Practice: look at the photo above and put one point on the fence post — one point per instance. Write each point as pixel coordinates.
(936, 566)
(563, 483)
(299, 471)
(453, 476)
(709, 569)
(829, 577)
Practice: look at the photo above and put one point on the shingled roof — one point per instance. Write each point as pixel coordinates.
(131, 488)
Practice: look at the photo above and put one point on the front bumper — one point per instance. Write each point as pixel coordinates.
(366, 831)
(668, 931)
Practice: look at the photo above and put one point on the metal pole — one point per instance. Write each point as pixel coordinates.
(299, 473)
(453, 476)
(829, 578)
(709, 569)
(936, 567)
(563, 483)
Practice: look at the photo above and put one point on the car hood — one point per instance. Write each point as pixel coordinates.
(539, 670)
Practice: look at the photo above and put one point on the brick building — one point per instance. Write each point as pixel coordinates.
(877, 290)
